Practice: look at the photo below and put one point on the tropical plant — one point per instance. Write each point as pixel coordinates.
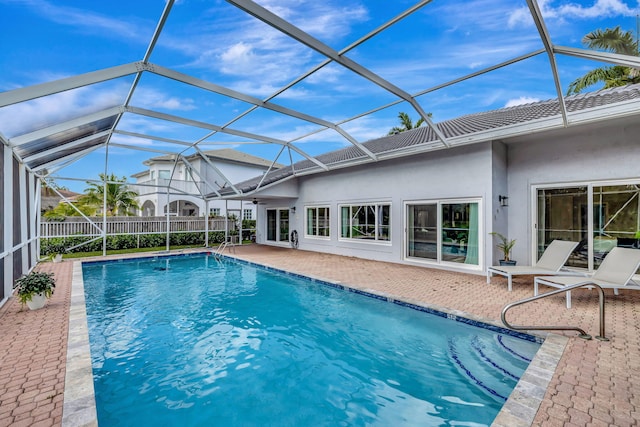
(34, 283)
(120, 200)
(615, 41)
(505, 244)
(64, 209)
(406, 123)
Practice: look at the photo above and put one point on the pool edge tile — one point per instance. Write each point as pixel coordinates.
(79, 408)
(519, 410)
(524, 401)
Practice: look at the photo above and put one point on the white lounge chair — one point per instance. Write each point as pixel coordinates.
(615, 272)
(551, 262)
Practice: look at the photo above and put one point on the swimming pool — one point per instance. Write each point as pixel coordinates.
(195, 341)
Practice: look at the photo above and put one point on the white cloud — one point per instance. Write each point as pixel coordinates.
(151, 98)
(324, 20)
(246, 48)
(520, 101)
(599, 9)
(90, 22)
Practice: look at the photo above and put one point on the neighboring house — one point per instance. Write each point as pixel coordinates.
(520, 171)
(183, 185)
(49, 199)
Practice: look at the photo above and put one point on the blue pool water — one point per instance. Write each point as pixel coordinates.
(193, 341)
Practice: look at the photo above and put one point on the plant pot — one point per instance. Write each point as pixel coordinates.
(37, 301)
(57, 258)
(510, 262)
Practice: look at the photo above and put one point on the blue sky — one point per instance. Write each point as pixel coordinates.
(43, 41)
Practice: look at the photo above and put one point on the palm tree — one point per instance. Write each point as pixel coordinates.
(120, 200)
(406, 123)
(615, 41)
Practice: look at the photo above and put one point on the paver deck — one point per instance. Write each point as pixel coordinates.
(595, 383)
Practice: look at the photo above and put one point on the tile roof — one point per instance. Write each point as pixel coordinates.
(472, 128)
(228, 154)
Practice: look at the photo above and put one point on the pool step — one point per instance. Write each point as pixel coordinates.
(493, 365)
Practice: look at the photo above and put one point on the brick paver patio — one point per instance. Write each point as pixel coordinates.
(595, 384)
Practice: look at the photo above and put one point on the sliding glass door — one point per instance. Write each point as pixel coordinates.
(278, 225)
(563, 214)
(444, 232)
(598, 216)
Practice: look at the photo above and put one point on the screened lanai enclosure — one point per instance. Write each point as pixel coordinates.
(98, 88)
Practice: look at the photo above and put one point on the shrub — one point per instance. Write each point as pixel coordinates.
(35, 283)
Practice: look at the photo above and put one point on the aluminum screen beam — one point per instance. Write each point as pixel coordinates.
(212, 87)
(300, 78)
(145, 60)
(548, 46)
(610, 58)
(297, 34)
(36, 91)
(203, 125)
(153, 138)
(208, 161)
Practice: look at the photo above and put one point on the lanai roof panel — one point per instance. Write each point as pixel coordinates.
(60, 139)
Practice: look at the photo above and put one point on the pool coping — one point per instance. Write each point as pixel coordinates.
(79, 408)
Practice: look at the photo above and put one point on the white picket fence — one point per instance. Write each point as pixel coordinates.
(79, 226)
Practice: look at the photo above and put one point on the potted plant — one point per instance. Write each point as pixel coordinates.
(34, 289)
(505, 245)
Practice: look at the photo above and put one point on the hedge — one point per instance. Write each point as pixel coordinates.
(61, 245)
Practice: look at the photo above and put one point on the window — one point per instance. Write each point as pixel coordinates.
(214, 211)
(441, 231)
(164, 174)
(318, 221)
(600, 216)
(366, 222)
(247, 214)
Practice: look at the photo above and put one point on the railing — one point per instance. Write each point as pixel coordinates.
(79, 226)
(583, 334)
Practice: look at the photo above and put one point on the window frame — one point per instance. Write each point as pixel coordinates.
(439, 203)
(590, 186)
(316, 234)
(376, 223)
(278, 226)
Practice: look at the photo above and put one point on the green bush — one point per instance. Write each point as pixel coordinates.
(58, 245)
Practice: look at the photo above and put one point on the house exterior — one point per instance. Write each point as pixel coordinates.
(521, 171)
(184, 184)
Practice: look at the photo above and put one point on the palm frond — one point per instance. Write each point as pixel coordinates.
(612, 40)
(599, 75)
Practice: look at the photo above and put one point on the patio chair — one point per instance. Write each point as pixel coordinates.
(551, 262)
(615, 273)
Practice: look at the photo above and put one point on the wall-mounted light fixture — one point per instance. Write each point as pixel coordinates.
(504, 200)
(293, 209)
